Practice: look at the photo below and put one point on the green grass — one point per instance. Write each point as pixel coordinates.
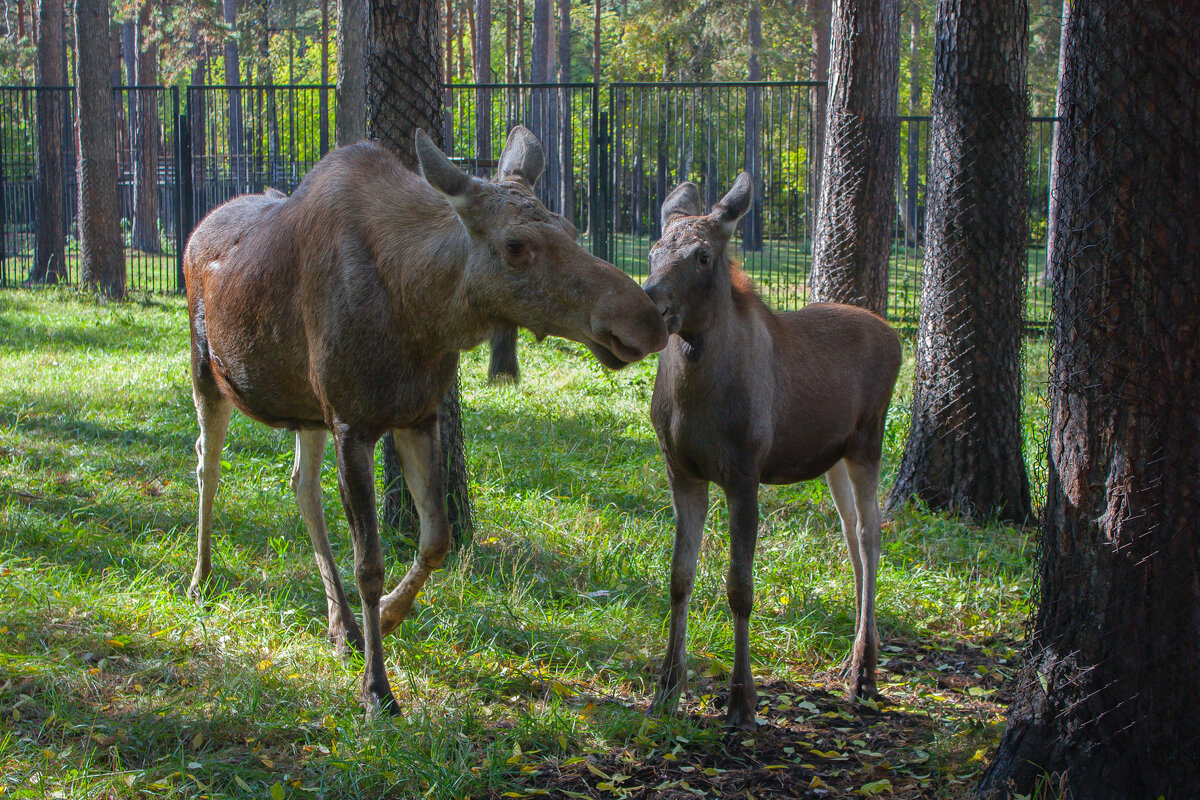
(529, 662)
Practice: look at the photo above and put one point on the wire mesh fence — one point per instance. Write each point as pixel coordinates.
(610, 161)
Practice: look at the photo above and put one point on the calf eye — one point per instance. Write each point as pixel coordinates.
(703, 258)
(514, 247)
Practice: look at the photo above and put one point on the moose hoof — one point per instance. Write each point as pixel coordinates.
(195, 592)
(665, 701)
(379, 704)
(346, 640)
(861, 687)
(740, 719)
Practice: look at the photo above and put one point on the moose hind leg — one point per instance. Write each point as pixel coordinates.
(690, 499)
(739, 586)
(420, 452)
(213, 412)
(842, 491)
(865, 479)
(306, 483)
(356, 483)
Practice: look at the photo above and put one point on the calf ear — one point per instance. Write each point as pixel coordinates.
(522, 157)
(734, 205)
(683, 201)
(439, 173)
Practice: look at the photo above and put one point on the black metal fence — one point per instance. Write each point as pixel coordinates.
(610, 161)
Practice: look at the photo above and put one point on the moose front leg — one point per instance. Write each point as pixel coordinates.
(739, 587)
(356, 482)
(420, 454)
(863, 658)
(690, 498)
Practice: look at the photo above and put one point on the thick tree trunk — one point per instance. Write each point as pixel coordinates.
(912, 223)
(352, 72)
(566, 157)
(404, 81)
(1060, 101)
(483, 75)
(964, 451)
(1108, 696)
(752, 224)
(237, 165)
(145, 138)
(49, 260)
(857, 212)
(101, 259)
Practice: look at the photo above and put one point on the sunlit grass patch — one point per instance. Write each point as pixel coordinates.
(531, 656)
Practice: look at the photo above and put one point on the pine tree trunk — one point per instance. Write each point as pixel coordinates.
(323, 93)
(964, 451)
(1108, 695)
(351, 95)
(1060, 100)
(819, 11)
(857, 211)
(49, 261)
(483, 75)
(566, 157)
(237, 166)
(145, 139)
(912, 225)
(752, 223)
(404, 81)
(101, 259)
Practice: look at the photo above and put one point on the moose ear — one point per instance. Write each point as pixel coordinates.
(439, 173)
(522, 157)
(734, 205)
(683, 201)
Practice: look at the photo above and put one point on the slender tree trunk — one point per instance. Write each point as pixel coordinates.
(522, 74)
(352, 72)
(448, 99)
(566, 148)
(819, 11)
(323, 95)
(483, 75)
(267, 71)
(964, 451)
(912, 228)
(49, 262)
(101, 259)
(1060, 101)
(237, 166)
(596, 14)
(857, 212)
(752, 223)
(472, 39)
(1108, 694)
(197, 116)
(404, 76)
(508, 41)
(146, 138)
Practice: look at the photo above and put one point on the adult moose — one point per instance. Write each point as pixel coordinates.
(344, 308)
(745, 396)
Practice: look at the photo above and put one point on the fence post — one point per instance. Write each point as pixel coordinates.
(603, 188)
(183, 180)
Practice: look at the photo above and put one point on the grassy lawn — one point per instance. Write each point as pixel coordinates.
(528, 665)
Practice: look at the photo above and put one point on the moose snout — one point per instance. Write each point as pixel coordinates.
(664, 303)
(630, 330)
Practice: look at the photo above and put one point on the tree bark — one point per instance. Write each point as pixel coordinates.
(351, 95)
(145, 138)
(101, 258)
(1108, 695)
(404, 81)
(857, 211)
(964, 451)
(49, 261)
(323, 93)
(521, 18)
(752, 223)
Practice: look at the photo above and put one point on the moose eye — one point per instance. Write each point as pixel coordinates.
(514, 247)
(703, 258)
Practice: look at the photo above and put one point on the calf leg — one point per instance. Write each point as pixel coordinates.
(356, 482)
(213, 412)
(690, 498)
(865, 479)
(420, 454)
(306, 483)
(739, 586)
(842, 491)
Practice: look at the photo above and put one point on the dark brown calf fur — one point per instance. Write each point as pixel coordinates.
(745, 396)
(344, 308)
